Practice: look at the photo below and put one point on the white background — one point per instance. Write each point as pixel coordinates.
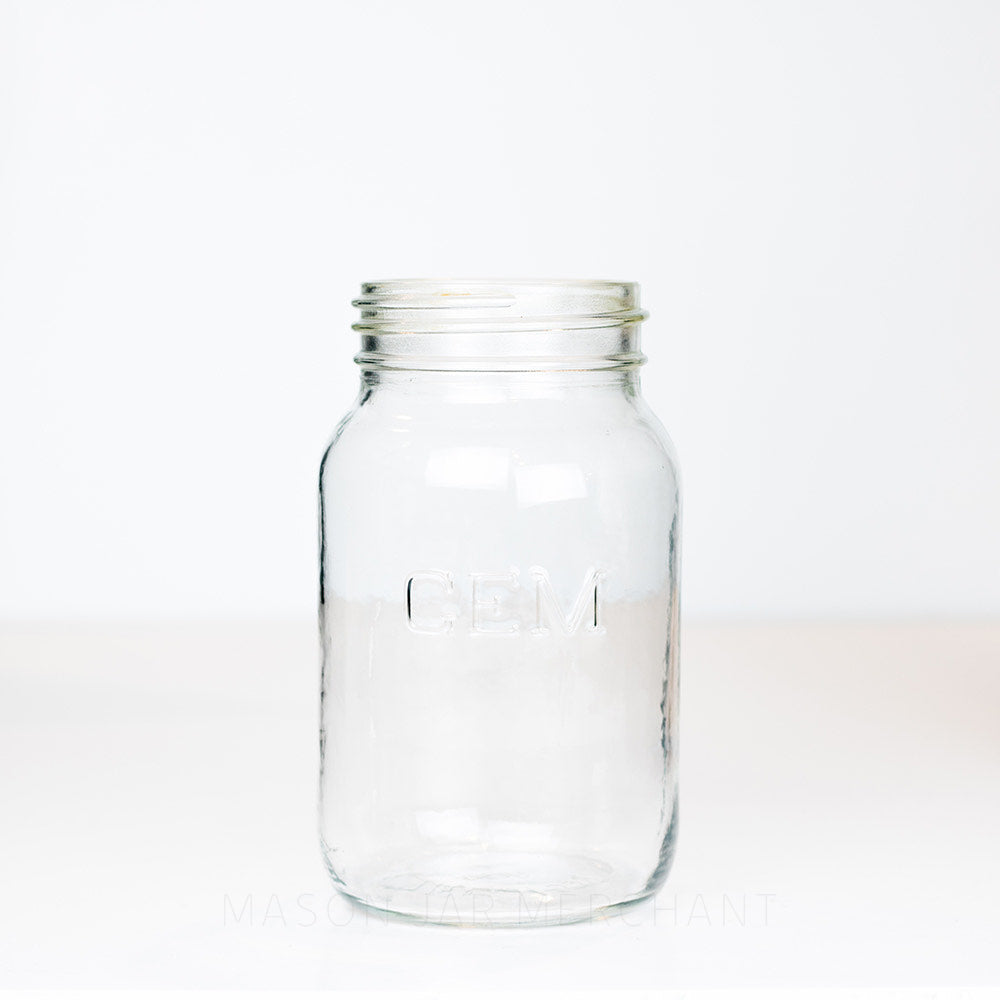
(190, 194)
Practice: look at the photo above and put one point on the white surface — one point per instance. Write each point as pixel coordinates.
(190, 194)
(845, 778)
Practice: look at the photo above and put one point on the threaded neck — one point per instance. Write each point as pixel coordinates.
(483, 324)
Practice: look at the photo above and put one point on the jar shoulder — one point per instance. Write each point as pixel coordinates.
(660, 440)
(600, 437)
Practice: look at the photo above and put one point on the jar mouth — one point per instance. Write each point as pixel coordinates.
(496, 305)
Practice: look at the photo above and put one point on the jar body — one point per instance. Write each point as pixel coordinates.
(499, 616)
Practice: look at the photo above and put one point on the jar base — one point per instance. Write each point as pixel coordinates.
(498, 889)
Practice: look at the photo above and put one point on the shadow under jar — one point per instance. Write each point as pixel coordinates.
(499, 608)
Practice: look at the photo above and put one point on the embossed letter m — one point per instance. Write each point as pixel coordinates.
(586, 607)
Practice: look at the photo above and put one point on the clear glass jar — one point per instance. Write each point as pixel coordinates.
(499, 608)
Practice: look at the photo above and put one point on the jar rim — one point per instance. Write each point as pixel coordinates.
(496, 305)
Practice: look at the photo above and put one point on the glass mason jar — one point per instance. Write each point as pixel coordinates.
(499, 550)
